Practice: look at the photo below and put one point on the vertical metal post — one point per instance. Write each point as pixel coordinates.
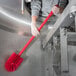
(54, 50)
(22, 6)
(75, 23)
(56, 55)
(64, 52)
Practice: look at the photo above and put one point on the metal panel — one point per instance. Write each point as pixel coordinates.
(71, 36)
(11, 18)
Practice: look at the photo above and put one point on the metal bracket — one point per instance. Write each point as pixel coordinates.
(73, 11)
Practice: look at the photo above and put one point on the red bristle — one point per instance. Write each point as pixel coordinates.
(13, 62)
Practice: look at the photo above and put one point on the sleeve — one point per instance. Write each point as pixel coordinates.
(35, 7)
(63, 3)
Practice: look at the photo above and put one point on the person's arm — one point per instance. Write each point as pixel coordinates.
(62, 5)
(34, 29)
(34, 19)
(35, 9)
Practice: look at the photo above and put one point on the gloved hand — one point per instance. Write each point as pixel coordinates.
(34, 29)
(55, 10)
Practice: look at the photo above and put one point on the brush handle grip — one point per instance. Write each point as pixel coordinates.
(30, 40)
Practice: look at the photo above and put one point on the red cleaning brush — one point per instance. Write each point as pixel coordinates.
(15, 60)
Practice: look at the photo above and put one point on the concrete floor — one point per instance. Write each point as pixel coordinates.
(35, 59)
(10, 42)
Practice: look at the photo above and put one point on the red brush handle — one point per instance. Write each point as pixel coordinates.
(30, 40)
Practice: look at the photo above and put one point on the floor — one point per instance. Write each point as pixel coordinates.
(37, 62)
(35, 59)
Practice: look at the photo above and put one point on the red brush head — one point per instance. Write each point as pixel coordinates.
(13, 62)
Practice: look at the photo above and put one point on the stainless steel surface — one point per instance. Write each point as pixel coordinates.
(12, 19)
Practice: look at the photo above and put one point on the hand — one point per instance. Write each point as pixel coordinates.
(57, 10)
(34, 29)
